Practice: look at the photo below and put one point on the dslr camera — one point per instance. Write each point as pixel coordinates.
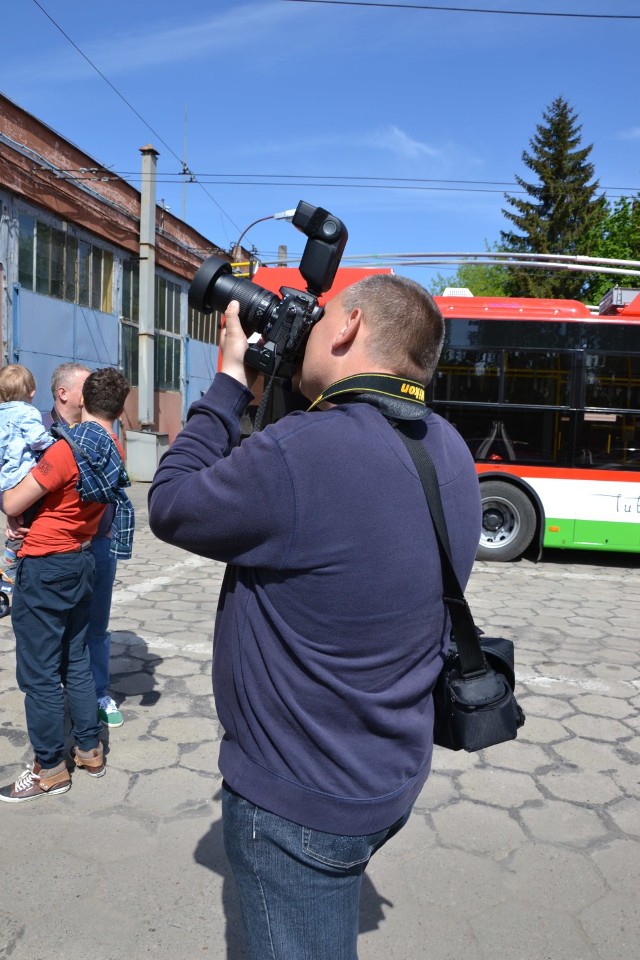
(284, 322)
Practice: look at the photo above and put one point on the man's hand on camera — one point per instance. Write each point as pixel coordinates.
(233, 344)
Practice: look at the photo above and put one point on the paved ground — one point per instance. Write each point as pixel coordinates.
(528, 851)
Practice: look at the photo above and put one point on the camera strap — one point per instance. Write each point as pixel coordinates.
(403, 400)
(396, 397)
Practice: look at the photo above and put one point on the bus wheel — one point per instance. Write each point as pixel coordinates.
(508, 521)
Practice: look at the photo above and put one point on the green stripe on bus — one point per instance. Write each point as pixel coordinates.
(592, 534)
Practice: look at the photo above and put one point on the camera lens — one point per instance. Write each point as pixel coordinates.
(214, 286)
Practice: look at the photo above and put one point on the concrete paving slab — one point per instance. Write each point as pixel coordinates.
(526, 851)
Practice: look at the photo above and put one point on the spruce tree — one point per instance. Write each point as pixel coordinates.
(562, 209)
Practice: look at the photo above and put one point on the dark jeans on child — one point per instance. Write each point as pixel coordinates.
(50, 613)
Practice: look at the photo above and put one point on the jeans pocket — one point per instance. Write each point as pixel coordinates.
(342, 852)
(65, 580)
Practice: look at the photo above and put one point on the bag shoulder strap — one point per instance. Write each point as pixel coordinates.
(62, 432)
(465, 631)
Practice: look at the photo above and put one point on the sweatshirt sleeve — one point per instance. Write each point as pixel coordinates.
(220, 500)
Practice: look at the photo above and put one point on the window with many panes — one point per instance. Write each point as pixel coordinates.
(168, 340)
(129, 320)
(205, 326)
(55, 263)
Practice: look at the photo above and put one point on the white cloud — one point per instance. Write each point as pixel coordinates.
(164, 45)
(390, 140)
(632, 133)
(393, 140)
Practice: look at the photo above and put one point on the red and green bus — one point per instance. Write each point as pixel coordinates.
(546, 394)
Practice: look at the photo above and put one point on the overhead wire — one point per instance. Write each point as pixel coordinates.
(238, 178)
(613, 192)
(441, 9)
(279, 179)
(186, 172)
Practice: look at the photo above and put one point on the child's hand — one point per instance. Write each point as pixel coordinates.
(15, 529)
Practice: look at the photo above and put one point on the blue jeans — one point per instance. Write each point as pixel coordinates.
(49, 613)
(299, 889)
(98, 636)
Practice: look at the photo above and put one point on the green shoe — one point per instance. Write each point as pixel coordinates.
(108, 712)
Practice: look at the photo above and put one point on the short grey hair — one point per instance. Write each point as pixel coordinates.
(63, 375)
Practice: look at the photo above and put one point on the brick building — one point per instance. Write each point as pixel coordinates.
(69, 269)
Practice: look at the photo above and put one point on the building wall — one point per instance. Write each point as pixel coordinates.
(46, 177)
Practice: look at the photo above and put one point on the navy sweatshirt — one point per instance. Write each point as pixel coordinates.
(330, 626)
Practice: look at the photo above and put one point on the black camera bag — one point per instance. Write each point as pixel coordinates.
(474, 702)
(473, 712)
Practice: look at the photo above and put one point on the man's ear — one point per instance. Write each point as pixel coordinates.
(349, 329)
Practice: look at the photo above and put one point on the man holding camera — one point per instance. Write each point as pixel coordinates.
(331, 623)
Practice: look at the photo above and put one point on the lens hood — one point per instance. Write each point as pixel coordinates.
(202, 285)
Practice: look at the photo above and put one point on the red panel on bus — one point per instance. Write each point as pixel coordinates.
(530, 308)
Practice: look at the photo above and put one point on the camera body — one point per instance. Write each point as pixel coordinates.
(284, 322)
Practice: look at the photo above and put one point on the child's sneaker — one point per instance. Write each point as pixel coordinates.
(8, 563)
(36, 782)
(108, 712)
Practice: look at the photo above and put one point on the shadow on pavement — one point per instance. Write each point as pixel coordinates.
(210, 853)
(132, 669)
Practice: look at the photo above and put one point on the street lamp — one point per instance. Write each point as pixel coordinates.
(236, 250)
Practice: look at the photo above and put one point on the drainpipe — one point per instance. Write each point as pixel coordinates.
(146, 329)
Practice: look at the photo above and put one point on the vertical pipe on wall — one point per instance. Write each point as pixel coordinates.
(146, 330)
(8, 282)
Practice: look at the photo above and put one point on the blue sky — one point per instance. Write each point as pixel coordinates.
(362, 110)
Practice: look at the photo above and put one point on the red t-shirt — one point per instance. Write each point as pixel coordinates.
(64, 522)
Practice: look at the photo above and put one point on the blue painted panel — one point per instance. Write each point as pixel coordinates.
(51, 332)
(42, 366)
(202, 366)
(96, 337)
(46, 325)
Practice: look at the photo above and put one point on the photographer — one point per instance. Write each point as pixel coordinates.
(331, 623)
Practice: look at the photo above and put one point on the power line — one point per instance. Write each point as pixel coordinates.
(315, 176)
(107, 81)
(185, 170)
(511, 13)
(239, 179)
(299, 179)
(172, 179)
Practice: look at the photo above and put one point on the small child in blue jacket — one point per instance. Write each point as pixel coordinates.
(22, 438)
